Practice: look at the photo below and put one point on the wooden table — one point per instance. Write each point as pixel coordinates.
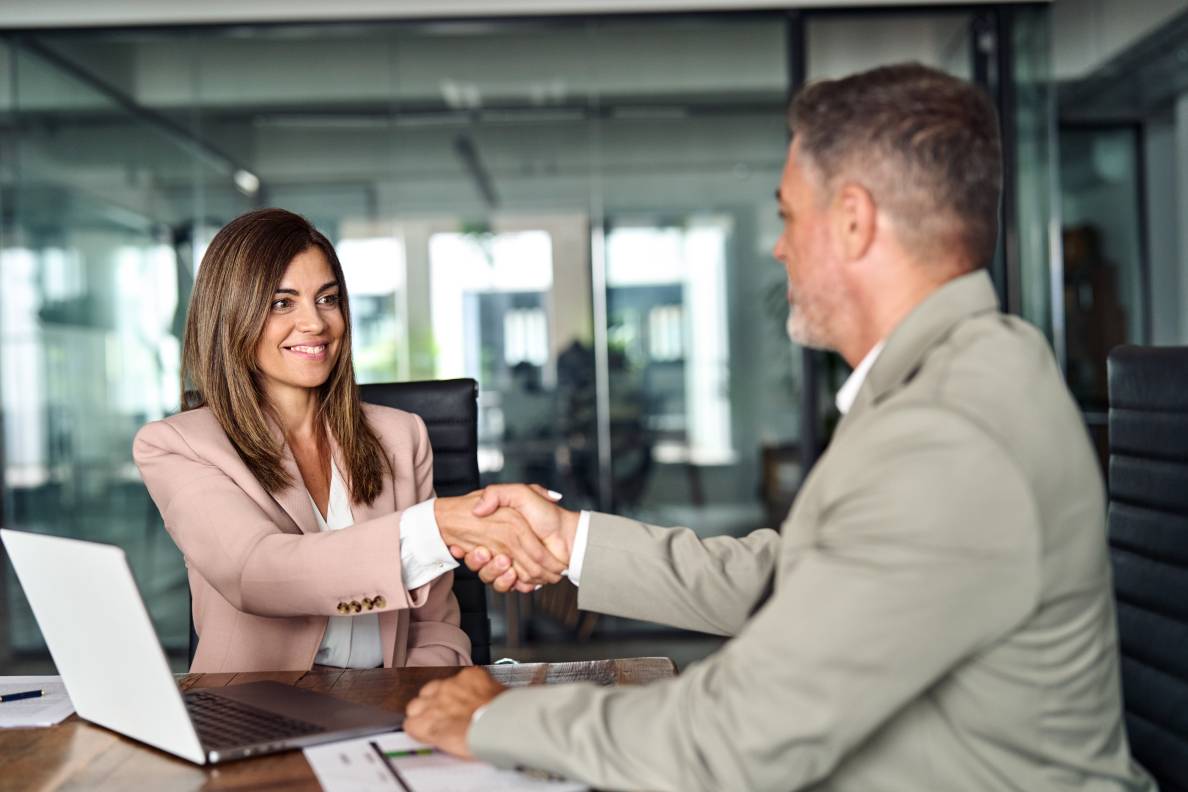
(78, 755)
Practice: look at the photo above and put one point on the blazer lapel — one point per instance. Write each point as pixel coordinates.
(295, 498)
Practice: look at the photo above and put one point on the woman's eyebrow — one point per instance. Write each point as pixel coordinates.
(322, 288)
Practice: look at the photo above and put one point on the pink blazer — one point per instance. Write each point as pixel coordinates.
(264, 579)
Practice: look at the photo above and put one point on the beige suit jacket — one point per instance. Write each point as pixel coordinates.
(941, 617)
(264, 579)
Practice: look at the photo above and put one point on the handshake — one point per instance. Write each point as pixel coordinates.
(512, 535)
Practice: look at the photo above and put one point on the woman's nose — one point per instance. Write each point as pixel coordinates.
(309, 320)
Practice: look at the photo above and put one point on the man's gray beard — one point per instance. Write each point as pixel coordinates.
(801, 331)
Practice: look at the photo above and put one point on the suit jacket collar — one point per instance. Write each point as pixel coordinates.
(928, 324)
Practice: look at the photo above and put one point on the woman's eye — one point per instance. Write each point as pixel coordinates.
(280, 305)
(329, 299)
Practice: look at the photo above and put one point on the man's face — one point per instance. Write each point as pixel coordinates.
(815, 286)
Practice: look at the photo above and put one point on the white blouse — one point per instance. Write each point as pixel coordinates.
(350, 641)
(354, 641)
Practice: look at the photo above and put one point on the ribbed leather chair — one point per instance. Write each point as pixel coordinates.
(1148, 525)
(449, 409)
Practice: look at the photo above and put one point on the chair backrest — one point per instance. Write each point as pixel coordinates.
(1148, 525)
(449, 409)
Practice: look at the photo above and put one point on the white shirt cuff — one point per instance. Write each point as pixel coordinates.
(424, 556)
(578, 554)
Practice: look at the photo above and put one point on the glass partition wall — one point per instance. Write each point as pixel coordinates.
(577, 212)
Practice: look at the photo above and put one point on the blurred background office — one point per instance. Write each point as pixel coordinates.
(569, 202)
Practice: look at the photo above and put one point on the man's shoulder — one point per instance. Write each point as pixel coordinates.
(992, 368)
(998, 375)
(992, 382)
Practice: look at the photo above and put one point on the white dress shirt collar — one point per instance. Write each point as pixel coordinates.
(849, 391)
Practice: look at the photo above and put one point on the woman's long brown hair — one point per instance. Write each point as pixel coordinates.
(236, 283)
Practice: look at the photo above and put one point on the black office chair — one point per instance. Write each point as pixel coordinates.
(449, 409)
(1148, 526)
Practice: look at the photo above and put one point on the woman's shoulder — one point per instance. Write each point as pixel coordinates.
(396, 429)
(200, 419)
(392, 424)
(192, 428)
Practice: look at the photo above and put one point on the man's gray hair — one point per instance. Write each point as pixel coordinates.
(925, 144)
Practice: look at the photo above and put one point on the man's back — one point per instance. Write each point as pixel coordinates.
(940, 614)
(936, 613)
(1035, 705)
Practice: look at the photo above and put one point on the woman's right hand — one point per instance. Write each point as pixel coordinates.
(503, 532)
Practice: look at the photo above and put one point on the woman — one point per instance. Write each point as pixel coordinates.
(285, 493)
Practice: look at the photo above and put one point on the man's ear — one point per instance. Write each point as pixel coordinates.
(854, 220)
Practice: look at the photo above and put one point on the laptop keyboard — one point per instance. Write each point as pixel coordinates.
(225, 723)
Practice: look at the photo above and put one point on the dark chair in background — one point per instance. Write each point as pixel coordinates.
(449, 409)
(1148, 527)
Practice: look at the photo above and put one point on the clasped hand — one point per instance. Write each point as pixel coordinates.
(513, 535)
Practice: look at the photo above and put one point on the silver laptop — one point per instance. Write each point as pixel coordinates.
(103, 643)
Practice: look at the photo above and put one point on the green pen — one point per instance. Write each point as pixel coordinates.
(413, 752)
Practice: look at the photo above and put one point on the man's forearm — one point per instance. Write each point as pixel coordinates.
(671, 576)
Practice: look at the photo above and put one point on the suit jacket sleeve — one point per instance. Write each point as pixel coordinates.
(250, 560)
(670, 576)
(924, 556)
(434, 637)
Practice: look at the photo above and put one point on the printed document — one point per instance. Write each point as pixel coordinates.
(53, 706)
(395, 762)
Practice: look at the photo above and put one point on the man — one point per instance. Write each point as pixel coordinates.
(936, 612)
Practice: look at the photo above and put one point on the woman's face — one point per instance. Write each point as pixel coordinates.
(303, 331)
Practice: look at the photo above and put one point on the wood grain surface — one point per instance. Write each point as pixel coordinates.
(78, 755)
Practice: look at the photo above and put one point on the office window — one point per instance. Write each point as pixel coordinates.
(525, 337)
(666, 333)
(374, 268)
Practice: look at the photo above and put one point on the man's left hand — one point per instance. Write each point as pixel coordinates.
(440, 715)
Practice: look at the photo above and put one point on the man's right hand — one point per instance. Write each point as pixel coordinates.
(503, 532)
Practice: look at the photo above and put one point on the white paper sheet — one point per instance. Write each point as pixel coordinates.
(397, 763)
(52, 707)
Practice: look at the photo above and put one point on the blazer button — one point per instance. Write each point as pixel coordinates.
(344, 608)
(356, 606)
(379, 601)
(367, 603)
